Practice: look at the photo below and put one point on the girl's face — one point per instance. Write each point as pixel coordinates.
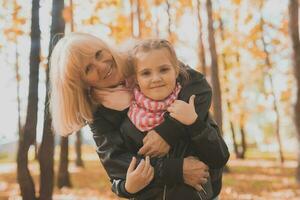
(155, 74)
(101, 71)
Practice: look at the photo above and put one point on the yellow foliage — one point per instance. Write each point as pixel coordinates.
(261, 108)
(285, 95)
(285, 27)
(186, 3)
(67, 14)
(122, 29)
(237, 2)
(275, 41)
(158, 2)
(172, 38)
(12, 33)
(103, 4)
(258, 53)
(92, 20)
(248, 18)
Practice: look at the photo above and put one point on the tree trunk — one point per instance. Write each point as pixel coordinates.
(169, 18)
(139, 20)
(201, 50)
(18, 89)
(132, 17)
(63, 178)
(235, 145)
(156, 23)
(28, 134)
(217, 101)
(269, 65)
(72, 16)
(227, 92)
(78, 144)
(294, 32)
(244, 143)
(46, 153)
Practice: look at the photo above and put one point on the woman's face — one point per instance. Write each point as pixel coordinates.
(155, 74)
(102, 72)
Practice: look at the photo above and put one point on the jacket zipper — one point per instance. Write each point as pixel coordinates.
(200, 195)
(165, 191)
(165, 187)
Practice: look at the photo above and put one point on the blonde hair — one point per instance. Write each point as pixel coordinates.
(70, 104)
(147, 45)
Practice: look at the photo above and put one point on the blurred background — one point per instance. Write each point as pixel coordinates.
(249, 51)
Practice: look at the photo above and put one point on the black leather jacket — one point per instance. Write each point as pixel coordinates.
(205, 140)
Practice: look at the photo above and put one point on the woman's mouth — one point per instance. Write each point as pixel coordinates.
(109, 72)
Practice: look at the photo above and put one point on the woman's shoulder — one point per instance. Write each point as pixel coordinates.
(191, 73)
(195, 84)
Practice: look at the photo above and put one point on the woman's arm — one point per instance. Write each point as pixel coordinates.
(114, 155)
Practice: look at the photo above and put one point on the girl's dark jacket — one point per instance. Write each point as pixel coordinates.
(204, 141)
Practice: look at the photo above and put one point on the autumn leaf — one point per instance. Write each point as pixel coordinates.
(186, 3)
(237, 2)
(67, 14)
(248, 18)
(285, 95)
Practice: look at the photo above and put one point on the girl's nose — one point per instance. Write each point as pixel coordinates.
(156, 77)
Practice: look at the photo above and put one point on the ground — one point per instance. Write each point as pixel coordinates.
(259, 177)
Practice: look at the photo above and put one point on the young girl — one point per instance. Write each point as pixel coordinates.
(156, 69)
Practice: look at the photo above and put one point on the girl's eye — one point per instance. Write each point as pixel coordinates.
(165, 70)
(146, 73)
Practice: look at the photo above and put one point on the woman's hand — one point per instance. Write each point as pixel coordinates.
(183, 112)
(140, 177)
(154, 145)
(118, 98)
(195, 172)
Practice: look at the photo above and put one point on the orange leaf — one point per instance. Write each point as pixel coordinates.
(285, 95)
(67, 14)
(237, 2)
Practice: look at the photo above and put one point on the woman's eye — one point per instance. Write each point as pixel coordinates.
(98, 55)
(88, 69)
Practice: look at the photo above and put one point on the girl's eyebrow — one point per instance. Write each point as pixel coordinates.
(165, 65)
(160, 66)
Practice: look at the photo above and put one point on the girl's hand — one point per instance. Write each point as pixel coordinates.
(183, 112)
(140, 177)
(117, 98)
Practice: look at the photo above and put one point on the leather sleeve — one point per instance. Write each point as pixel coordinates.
(114, 155)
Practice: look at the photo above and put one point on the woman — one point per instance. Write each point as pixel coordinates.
(81, 62)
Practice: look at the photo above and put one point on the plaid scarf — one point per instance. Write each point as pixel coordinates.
(146, 113)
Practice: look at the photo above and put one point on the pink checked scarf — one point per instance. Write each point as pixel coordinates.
(146, 113)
